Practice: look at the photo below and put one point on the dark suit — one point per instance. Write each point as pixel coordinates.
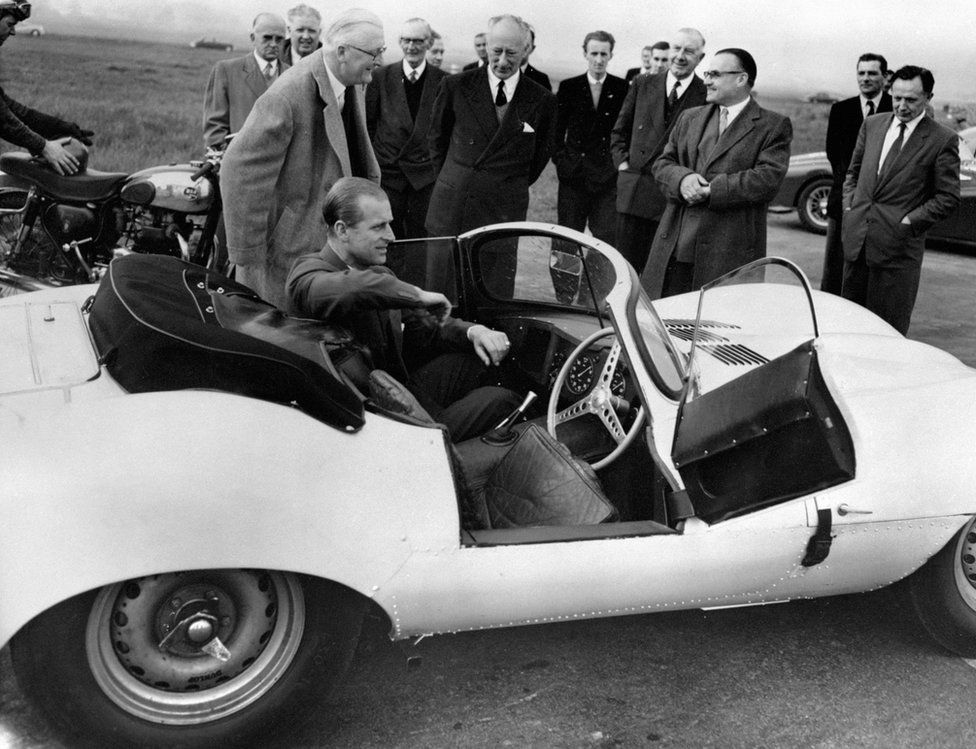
(28, 128)
(633, 73)
(587, 176)
(434, 360)
(233, 87)
(639, 137)
(745, 167)
(842, 127)
(533, 74)
(473, 65)
(400, 143)
(883, 256)
(485, 167)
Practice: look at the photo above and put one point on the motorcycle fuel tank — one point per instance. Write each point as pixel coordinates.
(169, 188)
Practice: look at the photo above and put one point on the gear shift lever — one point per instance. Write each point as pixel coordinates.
(503, 433)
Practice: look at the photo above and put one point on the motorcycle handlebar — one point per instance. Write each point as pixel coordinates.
(203, 171)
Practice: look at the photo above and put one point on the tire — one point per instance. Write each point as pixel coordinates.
(39, 255)
(95, 666)
(35, 32)
(943, 593)
(811, 206)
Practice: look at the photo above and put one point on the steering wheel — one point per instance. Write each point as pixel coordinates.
(599, 401)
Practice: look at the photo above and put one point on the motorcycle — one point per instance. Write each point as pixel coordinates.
(60, 230)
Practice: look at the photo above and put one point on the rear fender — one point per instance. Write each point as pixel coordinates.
(103, 491)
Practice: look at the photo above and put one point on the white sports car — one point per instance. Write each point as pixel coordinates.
(190, 539)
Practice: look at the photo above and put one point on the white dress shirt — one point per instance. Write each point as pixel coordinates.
(892, 135)
(510, 84)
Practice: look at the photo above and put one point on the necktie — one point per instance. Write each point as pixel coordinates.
(500, 99)
(893, 151)
(870, 108)
(672, 101)
(723, 120)
(595, 92)
(356, 161)
(268, 73)
(413, 76)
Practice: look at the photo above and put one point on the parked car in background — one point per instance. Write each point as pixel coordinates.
(808, 182)
(30, 29)
(211, 44)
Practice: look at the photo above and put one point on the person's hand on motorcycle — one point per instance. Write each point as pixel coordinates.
(491, 346)
(85, 136)
(54, 153)
(436, 303)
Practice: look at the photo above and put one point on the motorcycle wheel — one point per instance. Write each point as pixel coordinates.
(38, 253)
(132, 664)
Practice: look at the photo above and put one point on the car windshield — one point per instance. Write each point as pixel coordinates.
(538, 268)
(744, 320)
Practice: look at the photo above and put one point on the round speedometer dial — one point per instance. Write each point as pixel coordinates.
(580, 378)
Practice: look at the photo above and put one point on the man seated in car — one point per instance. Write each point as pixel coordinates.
(409, 331)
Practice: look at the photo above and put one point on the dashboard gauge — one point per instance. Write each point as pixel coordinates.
(558, 359)
(580, 377)
(617, 383)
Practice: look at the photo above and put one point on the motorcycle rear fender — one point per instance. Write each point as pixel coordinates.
(111, 489)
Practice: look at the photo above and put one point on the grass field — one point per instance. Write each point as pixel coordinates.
(145, 101)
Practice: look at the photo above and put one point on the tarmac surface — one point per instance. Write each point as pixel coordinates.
(838, 672)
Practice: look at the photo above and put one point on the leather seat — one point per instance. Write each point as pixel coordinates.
(89, 185)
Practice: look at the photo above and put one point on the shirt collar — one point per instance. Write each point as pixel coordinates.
(510, 83)
(262, 63)
(682, 83)
(909, 126)
(407, 70)
(593, 81)
(736, 109)
(338, 87)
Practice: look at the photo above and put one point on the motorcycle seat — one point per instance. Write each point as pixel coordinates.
(89, 185)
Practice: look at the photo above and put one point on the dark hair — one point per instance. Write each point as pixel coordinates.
(659, 45)
(599, 36)
(872, 57)
(342, 201)
(911, 72)
(746, 61)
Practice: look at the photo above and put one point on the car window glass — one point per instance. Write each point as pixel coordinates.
(745, 319)
(543, 269)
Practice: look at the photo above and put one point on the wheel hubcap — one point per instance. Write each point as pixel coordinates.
(965, 568)
(193, 647)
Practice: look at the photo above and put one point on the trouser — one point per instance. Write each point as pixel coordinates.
(635, 235)
(576, 205)
(409, 208)
(449, 388)
(833, 264)
(888, 292)
(678, 278)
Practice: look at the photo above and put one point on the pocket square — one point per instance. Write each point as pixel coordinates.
(527, 128)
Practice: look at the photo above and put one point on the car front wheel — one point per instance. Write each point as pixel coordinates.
(943, 592)
(187, 659)
(811, 206)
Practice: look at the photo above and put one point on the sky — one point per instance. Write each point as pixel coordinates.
(799, 46)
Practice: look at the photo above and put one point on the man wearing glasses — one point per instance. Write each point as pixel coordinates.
(723, 164)
(399, 102)
(306, 132)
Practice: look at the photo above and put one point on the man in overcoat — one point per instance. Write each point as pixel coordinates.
(723, 164)
(306, 132)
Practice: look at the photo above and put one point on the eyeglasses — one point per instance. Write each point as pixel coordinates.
(375, 55)
(415, 42)
(719, 73)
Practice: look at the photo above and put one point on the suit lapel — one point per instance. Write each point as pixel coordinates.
(909, 150)
(332, 115)
(695, 134)
(398, 96)
(422, 123)
(741, 126)
(515, 116)
(253, 76)
(475, 92)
